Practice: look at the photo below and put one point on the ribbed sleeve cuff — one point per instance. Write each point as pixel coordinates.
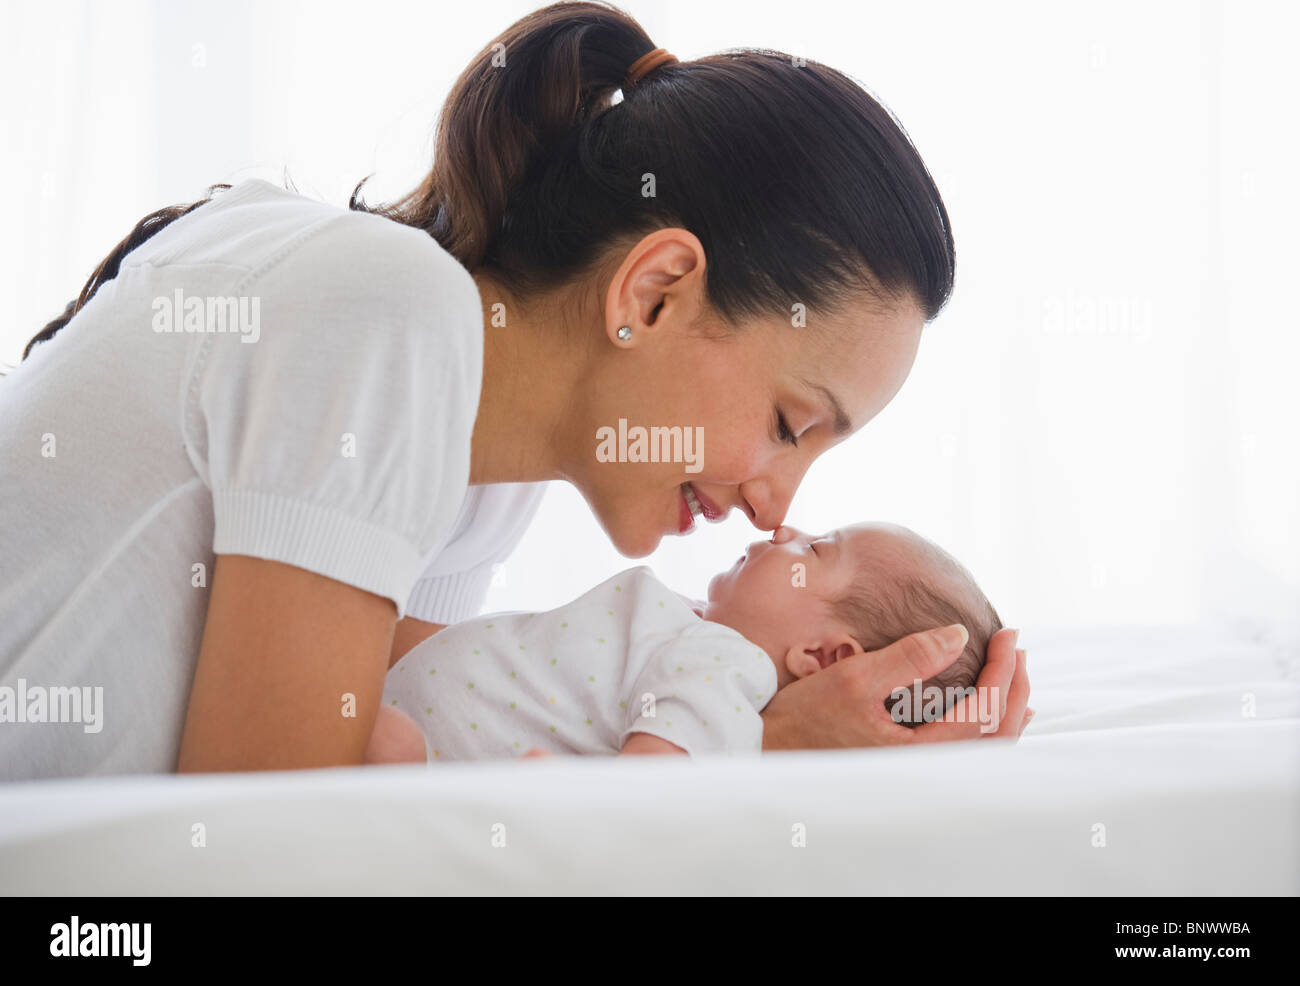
(450, 598)
(319, 539)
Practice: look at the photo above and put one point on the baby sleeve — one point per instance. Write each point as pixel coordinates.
(703, 691)
(336, 438)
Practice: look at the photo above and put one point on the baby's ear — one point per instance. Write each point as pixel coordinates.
(803, 661)
(846, 647)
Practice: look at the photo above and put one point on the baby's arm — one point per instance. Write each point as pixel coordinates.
(396, 739)
(636, 743)
(645, 743)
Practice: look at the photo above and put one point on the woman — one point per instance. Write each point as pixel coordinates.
(264, 417)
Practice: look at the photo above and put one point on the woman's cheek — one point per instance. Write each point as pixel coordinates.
(729, 460)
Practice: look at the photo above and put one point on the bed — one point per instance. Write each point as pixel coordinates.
(1161, 761)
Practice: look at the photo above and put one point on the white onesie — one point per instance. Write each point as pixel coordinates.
(627, 657)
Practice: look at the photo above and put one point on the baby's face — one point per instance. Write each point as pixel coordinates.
(780, 593)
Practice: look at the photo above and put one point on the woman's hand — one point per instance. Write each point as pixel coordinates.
(844, 705)
(408, 633)
(1006, 674)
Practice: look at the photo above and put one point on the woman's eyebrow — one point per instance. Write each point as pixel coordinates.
(842, 424)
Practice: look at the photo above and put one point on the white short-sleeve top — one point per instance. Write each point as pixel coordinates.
(268, 376)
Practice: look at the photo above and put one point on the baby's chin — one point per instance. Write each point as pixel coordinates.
(711, 593)
(722, 589)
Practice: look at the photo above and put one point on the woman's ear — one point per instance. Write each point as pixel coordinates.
(662, 272)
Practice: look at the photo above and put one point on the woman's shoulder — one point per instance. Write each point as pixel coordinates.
(275, 243)
(375, 261)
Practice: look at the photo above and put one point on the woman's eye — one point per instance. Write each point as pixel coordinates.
(783, 430)
(813, 545)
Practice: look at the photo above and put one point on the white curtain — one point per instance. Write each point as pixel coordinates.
(1102, 423)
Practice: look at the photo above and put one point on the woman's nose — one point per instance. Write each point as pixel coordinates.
(770, 496)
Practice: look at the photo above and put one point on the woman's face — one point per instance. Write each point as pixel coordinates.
(753, 408)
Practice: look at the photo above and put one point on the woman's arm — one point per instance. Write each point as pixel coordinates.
(282, 649)
(844, 705)
(410, 632)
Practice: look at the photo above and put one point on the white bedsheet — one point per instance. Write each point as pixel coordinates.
(1146, 733)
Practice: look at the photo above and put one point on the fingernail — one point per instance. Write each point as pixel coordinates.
(1020, 653)
(952, 638)
(1015, 637)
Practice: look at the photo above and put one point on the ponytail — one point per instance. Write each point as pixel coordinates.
(800, 186)
(108, 267)
(515, 110)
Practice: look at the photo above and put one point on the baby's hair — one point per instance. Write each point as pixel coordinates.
(877, 615)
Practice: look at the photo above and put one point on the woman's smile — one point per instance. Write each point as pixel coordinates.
(693, 505)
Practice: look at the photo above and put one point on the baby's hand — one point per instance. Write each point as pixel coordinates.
(396, 739)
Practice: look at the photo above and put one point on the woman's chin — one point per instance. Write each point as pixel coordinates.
(634, 543)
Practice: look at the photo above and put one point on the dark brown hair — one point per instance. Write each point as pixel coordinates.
(800, 186)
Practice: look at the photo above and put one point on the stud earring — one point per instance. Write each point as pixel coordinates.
(625, 333)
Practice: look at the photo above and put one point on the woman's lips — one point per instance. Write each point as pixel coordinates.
(685, 519)
(712, 512)
(709, 510)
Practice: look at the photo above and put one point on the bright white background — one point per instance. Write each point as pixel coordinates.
(1101, 425)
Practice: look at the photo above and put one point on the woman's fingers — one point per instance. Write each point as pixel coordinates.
(918, 656)
(1013, 718)
(845, 705)
(961, 722)
(1029, 714)
(1000, 668)
(984, 713)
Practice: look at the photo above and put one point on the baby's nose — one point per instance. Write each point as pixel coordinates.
(784, 533)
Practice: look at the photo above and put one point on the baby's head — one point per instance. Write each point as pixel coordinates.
(810, 601)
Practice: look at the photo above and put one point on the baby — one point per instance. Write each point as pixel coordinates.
(632, 667)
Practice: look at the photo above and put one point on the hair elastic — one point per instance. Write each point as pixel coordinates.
(647, 63)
